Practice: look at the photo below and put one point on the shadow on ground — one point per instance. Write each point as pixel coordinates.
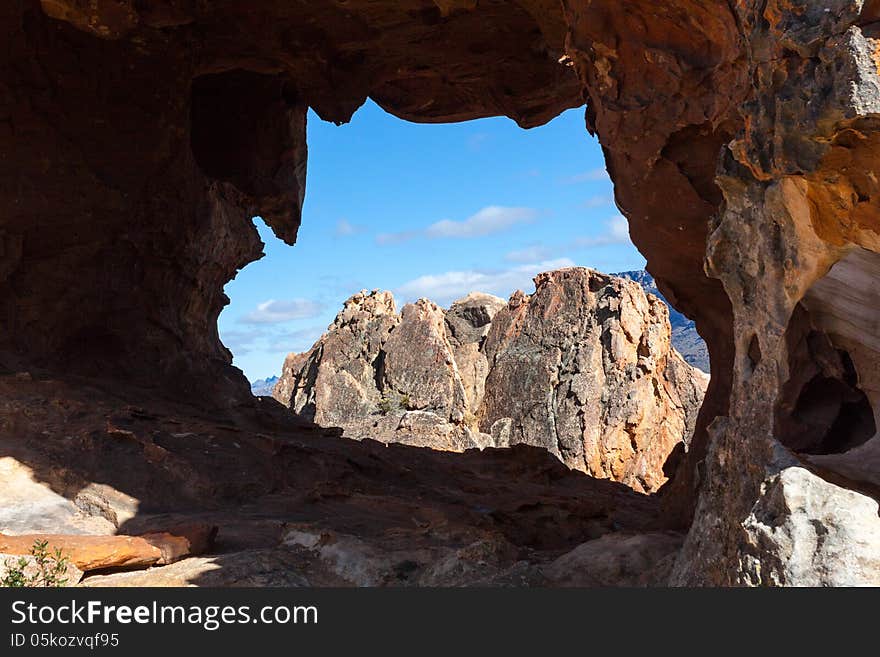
(297, 505)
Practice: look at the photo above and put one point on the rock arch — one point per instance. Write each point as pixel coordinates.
(741, 136)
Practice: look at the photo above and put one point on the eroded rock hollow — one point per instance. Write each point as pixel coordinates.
(138, 138)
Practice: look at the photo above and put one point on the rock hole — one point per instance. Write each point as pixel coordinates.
(828, 409)
(835, 416)
(754, 352)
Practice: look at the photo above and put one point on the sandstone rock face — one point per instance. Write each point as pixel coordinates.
(395, 377)
(582, 368)
(796, 247)
(102, 552)
(29, 506)
(685, 338)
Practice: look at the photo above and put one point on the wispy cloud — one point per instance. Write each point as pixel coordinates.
(241, 342)
(345, 228)
(397, 238)
(277, 312)
(297, 341)
(446, 287)
(616, 232)
(477, 140)
(593, 175)
(488, 221)
(598, 201)
(533, 253)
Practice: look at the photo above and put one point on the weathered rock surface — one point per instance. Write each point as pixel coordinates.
(685, 338)
(582, 368)
(395, 377)
(617, 560)
(316, 558)
(90, 552)
(788, 495)
(295, 506)
(31, 506)
(102, 552)
(137, 140)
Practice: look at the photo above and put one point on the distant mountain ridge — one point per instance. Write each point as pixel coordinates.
(685, 338)
(263, 387)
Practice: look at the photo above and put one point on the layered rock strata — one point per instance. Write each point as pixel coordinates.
(583, 368)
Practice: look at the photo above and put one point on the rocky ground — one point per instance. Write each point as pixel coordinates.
(295, 505)
(583, 368)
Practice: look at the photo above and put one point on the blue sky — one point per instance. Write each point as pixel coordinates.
(425, 210)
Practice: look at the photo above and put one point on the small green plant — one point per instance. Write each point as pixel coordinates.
(386, 405)
(50, 571)
(15, 577)
(406, 403)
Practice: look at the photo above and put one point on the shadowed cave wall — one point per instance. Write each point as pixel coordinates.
(139, 136)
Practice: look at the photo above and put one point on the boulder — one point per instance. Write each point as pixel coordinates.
(28, 505)
(102, 552)
(391, 377)
(584, 368)
(617, 560)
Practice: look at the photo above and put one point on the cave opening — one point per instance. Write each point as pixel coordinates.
(444, 212)
(828, 409)
(421, 210)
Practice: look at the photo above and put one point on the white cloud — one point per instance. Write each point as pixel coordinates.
(599, 201)
(396, 238)
(533, 253)
(297, 341)
(345, 228)
(476, 141)
(593, 175)
(447, 287)
(488, 221)
(616, 232)
(276, 312)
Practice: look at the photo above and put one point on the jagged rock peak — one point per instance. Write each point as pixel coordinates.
(583, 368)
(366, 303)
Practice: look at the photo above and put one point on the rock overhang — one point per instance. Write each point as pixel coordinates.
(759, 121)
